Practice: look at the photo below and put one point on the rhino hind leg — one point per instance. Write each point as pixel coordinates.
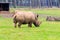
(15, 23)
(19, 25)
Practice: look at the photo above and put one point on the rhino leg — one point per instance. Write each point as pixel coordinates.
(15, 23)
(19, 25)
(29, 24)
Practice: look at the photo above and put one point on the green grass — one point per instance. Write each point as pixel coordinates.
(46, 31)
(49, 12)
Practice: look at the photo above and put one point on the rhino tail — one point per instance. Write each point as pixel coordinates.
(14, 17)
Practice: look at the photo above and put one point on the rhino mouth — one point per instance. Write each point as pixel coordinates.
(37, 25)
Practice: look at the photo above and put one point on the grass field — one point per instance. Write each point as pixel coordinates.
(46, 31)
(52, 11)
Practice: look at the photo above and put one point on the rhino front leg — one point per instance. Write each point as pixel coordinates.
(30, 25)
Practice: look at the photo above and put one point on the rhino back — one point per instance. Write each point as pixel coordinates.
(25, 16)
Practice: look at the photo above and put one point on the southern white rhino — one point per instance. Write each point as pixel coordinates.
(23, 17)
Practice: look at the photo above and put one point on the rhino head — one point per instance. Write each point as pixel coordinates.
(37, 23)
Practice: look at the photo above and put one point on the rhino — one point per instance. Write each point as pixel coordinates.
(23, 17)
(50, 18)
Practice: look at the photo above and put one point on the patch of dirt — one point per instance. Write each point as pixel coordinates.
(6, 14)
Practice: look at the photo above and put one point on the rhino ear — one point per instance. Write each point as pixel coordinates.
(37, 15)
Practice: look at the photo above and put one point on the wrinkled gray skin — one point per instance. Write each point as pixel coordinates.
(50, 18)
(22, 17)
